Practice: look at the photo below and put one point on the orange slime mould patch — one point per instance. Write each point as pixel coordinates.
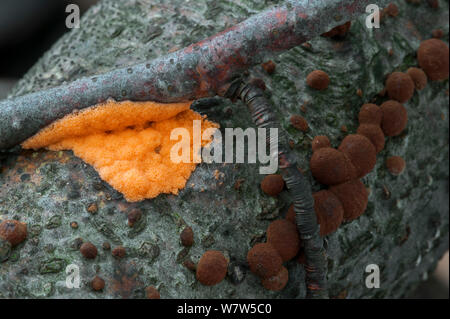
(128, 143)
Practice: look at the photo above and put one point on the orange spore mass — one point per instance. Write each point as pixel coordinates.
(128, 143)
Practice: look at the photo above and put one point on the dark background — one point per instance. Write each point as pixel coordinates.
(28, 28)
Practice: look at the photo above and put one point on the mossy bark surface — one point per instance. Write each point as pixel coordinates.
(404, 229)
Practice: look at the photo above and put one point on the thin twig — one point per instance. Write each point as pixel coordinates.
(316, 261)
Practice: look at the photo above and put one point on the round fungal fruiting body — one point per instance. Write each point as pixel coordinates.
(331, 167)
(269, 66)
(320, 141)
(370, 114)
(299, 123)
(13, 231)
(353, 197)
(88, 250)
(277, 282)
(374, 133)
(329, 211)
(272, 184)
(361, 152)
(395, 165)
(391, 10)
(97, 283)
(119, 252)
(395, 118)
(212, 268)
(433, 56)
(92, 208)
(419, 78)
(264, 260)
(400, 87)
(318, 80)
(152, 293)
(283, 236)
(187, 237)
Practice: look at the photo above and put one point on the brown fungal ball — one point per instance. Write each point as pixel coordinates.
(433, 55)
(339, 31)
(320, 141)
(353, 196)
(361, 152)
(395, 165)
(290, 215)
(119, 252)
(152, 293)
(74, 225)
(88, 250)
(272, 184)
(374, 133)
(330, 167)
(277, 282)
(283, 236)
(400, 87)
(212, 268)
(13, 231)
(419, 78)
(97, 283)
(329, 211)
(370, 114)
(264, 260)
(187, 237)
(92, 208)
(134, 216)
(395, 118)
(299, 123)
(391, 10)
(318, 80)
(269, 66)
